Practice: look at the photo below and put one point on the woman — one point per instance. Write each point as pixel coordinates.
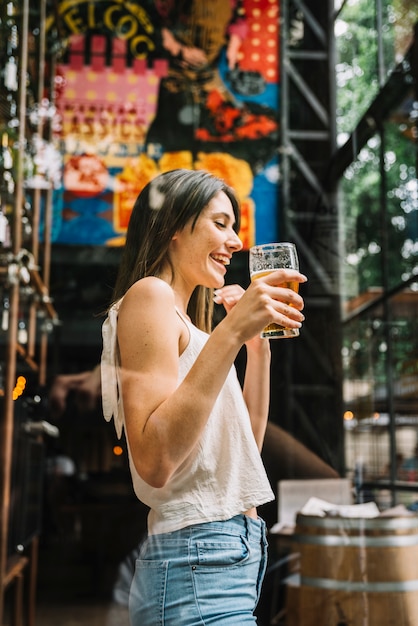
(194, 438)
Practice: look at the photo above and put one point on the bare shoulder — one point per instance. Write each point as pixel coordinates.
(148, 324)
(146, 301)
(150, 291)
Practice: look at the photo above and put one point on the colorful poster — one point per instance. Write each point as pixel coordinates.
(150, 86)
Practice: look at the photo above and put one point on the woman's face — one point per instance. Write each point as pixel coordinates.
(201, 256)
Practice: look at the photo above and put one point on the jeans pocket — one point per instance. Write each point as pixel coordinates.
(147, 594)
(225, 579)
(222, 554)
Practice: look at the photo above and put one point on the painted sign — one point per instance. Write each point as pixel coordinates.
(151, 86)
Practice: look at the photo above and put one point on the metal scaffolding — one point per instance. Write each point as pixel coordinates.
(311, 405)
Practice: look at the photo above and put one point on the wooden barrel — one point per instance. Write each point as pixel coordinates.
(355, 572)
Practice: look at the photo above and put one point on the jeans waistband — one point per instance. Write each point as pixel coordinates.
(252, 529)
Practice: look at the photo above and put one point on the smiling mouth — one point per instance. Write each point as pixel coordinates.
(221, 259)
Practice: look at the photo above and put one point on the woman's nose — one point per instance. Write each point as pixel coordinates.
(235, 242)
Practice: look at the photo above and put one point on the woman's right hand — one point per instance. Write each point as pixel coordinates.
(268, 300)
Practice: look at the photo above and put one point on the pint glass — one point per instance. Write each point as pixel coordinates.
(265, 259)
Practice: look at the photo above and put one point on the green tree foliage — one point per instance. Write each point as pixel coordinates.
(379, 212)
(398, 221)
(394, 220)
(357, 70)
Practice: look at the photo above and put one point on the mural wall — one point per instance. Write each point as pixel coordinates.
(144, 87)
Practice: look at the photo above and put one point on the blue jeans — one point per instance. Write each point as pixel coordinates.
(204, 574)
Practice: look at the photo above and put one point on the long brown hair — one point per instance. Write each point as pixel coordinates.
(163, 208)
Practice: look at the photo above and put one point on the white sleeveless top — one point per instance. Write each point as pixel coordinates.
(224, 474)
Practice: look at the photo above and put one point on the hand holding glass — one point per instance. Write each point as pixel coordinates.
(265, 259)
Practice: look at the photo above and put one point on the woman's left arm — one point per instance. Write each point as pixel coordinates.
(256, 388)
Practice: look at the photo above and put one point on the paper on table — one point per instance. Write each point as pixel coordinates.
(320, 508)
